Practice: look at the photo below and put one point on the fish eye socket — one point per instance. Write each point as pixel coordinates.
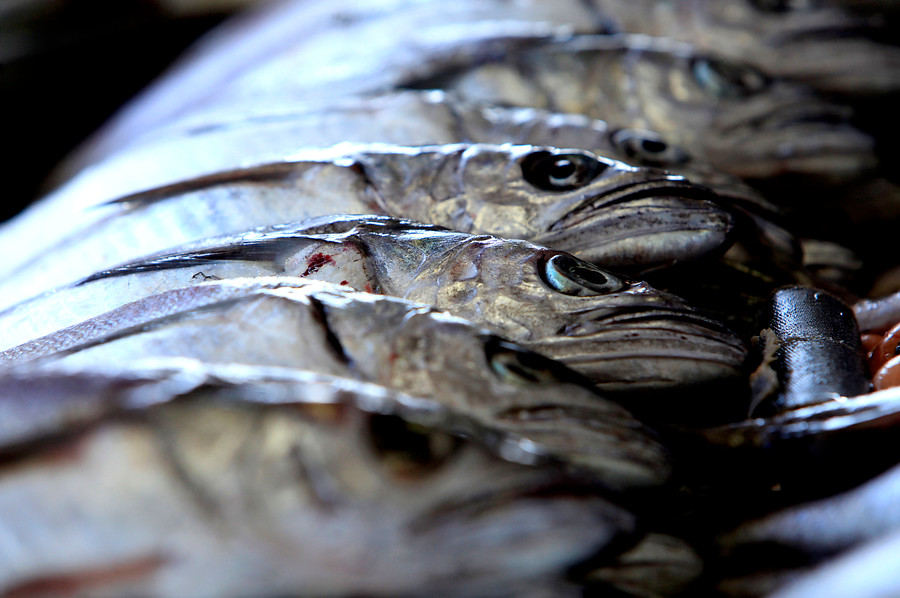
(648, 148)
(572, 276)
(515, 365)
(406, 449)
(726, 80)
(560, 172)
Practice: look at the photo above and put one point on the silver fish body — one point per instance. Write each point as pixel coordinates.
(247, 482)
(329, 329)
(820, 44)
(598, 209)
(516, 289)
(727, 114)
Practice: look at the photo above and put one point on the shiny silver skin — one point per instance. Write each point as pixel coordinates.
(598, 209)
(828, 525)
(408, 346)
(869, 571)
(818, 43)
(724, 113)
(254, 482)
(871, 413)
(516, 289)
(229, 136)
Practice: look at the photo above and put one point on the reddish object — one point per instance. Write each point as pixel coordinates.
(314, 263)
(888, 375)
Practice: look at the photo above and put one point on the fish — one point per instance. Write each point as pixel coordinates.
(598, 209)
(230, 136)
(518, 290)
(825, 527)
(811, 352)
(822, 44)
(227, 481)
(723, 112)
(326, 328)
(867, 572)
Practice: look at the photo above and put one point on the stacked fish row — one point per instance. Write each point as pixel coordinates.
(416, 299)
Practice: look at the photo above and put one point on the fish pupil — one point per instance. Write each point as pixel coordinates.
(589, 275)
(653, 147)
(562, 170)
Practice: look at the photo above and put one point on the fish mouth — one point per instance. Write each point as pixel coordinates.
(807, 140)
(649, 349)
(839, 58)
(643, 224)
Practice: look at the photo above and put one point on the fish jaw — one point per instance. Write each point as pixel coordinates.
(644, 225)
(804, 139)
(649, 350)
(232, 492)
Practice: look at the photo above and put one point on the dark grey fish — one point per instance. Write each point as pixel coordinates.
(598, 209)
(206, 481)
(811, 352)
(516, 289)
(412, 347)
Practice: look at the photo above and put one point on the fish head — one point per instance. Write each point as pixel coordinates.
(273, 481)
(737, 118)
(820, 44)
(326, 471)
(599, 209)
(496, 382)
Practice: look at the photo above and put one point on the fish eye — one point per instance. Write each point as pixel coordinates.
(783, 5)
(516, 365)
(560, 172)
(407, 449)
(648, 148)
(572, 276)
(726, 80)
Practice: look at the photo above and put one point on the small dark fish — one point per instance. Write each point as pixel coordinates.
(811, 352)
(205, 481)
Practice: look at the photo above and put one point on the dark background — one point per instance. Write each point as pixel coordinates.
(65, 69)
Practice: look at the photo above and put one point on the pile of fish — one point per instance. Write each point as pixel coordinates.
(483, 298)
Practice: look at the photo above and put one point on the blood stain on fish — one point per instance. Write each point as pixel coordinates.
(315, 263)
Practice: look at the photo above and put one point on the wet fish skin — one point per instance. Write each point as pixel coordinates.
(606, 211)
(821, 44)
(516, 289)
(724, 113)
(372, 338)
(811, 352)
(828, 525)
(279, 484)
(868, 571)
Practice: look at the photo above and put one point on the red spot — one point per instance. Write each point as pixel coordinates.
(369, 288)
(344, 282)
(81, 582)
(315, 262)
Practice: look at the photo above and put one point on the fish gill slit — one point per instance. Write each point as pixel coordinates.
(320, 314)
